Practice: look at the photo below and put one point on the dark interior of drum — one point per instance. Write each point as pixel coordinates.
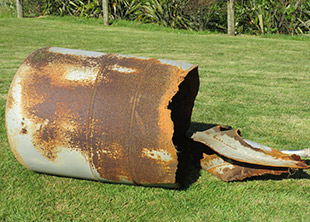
(181, 110)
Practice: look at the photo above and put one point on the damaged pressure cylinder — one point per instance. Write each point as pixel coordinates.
(106, 117)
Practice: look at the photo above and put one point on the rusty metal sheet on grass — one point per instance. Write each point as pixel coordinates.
(229, 143)
(236, 159)
(302, 153)
(107, 117)
(230, 170)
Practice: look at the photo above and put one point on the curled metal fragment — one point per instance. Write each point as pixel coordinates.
(237, 159)
(303, 153)
(229, 170)
(229, 143)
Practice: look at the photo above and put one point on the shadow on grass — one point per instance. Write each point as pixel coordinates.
(299, 174)
(196, 151)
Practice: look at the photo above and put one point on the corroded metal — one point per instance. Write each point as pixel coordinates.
(229, 170)
(303, 153)
(100, 116)
(230, 144)
(234, 158)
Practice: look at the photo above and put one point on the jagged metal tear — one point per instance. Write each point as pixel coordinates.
(235, 158)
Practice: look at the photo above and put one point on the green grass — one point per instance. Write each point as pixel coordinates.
(260, 85)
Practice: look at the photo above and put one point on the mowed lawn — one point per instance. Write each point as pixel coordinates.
(259, 85)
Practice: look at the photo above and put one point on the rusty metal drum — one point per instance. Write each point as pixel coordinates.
(99, 116)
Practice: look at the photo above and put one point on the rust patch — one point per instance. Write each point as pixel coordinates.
(230, 170)
(133, 121)
(10, 100)
(53, 104)
(24, 131)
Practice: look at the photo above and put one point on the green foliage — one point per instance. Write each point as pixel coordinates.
(125, 9)
(164, 12)
(265, 16)
(7, 8)
(252, 16)
(62, 7)
(30, 7)
(207, 14)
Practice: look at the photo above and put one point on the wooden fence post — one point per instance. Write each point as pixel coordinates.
(19, 8)
(105, 9)
(231, 17)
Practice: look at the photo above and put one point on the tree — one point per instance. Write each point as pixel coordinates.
(105, 9)
(231, 17)
(19, 8)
